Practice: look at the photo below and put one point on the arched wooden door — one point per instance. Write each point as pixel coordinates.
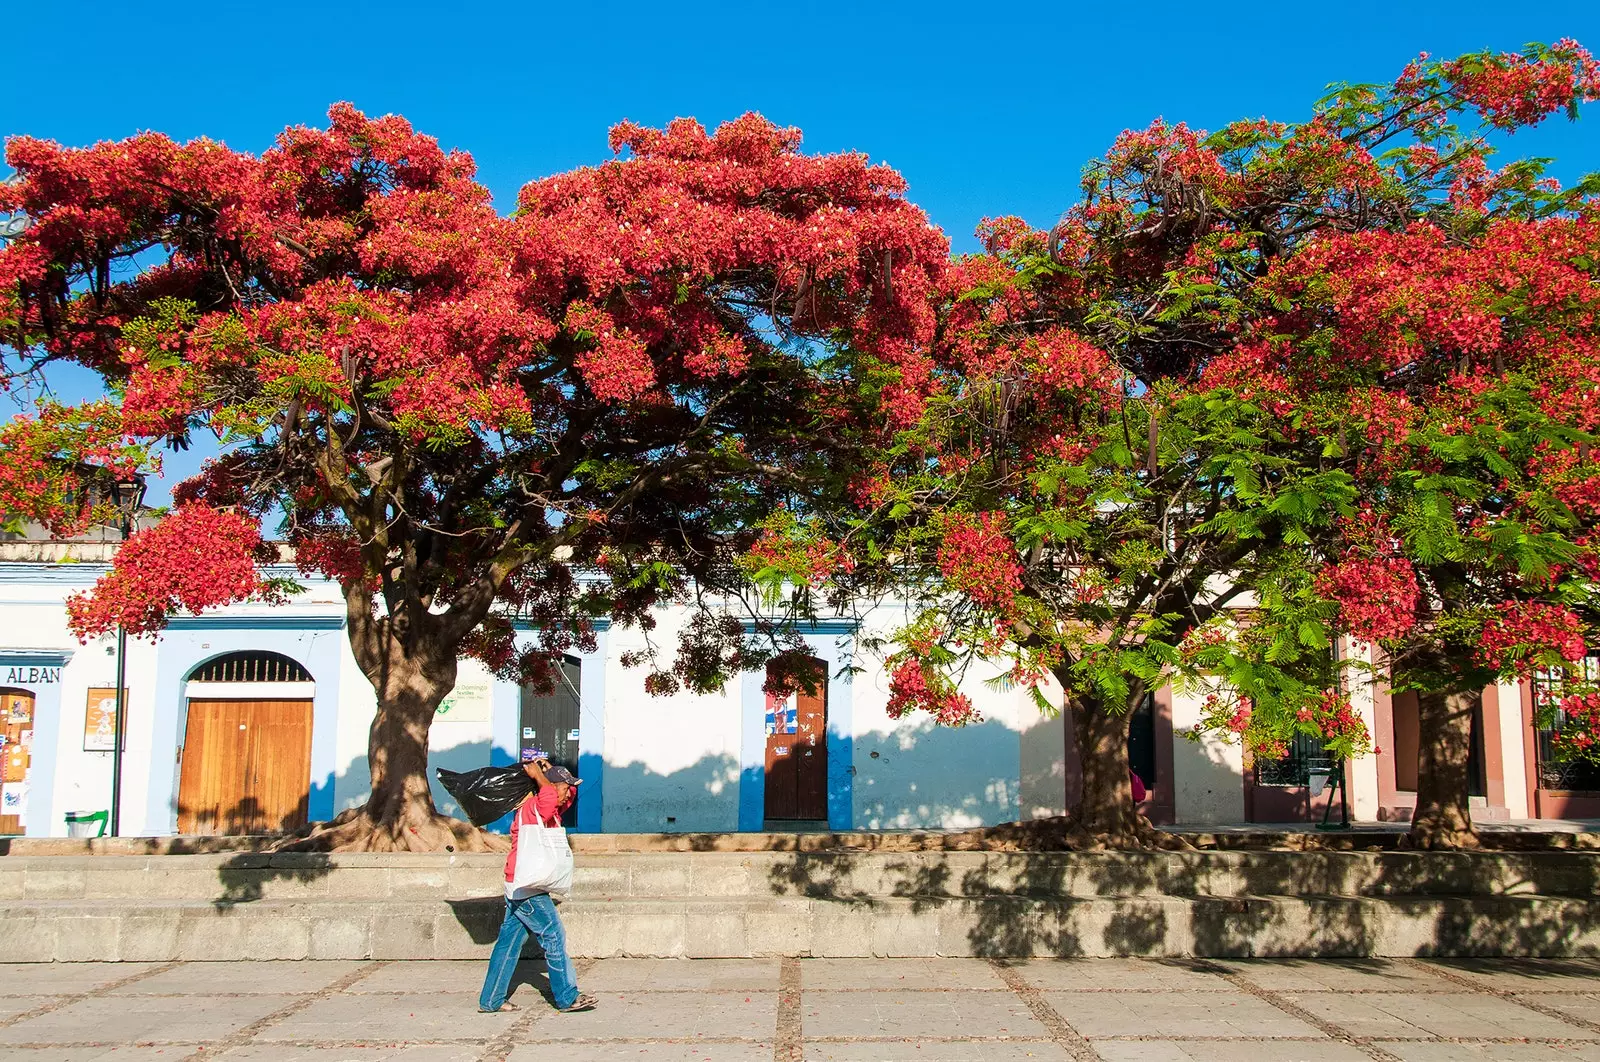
(246, 759)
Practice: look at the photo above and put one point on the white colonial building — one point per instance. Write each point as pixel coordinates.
(254, 718)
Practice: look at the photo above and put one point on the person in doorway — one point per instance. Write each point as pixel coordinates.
(535, 914)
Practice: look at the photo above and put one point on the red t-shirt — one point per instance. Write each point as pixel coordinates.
(542, 807)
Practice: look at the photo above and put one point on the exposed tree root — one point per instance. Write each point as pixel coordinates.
(1428, 838)
(353, 831)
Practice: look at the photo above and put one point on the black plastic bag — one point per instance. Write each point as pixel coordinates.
(488, 792)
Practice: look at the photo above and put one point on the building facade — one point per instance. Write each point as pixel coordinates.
(255, 719)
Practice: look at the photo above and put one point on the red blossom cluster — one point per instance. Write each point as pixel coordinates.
(1377, 596)
(1520, 633)
(979, 559)
(1511, 91)
(914, 685)
(197, 558)
(797, 553)
(1578, 737)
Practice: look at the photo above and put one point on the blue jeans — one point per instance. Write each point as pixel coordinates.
(536, 915)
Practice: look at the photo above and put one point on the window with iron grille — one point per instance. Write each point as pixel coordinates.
(1549, 687)
(253, 666)
(1306, 754)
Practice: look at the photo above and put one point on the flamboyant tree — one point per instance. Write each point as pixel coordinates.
(1150, 430)
(1453, 367)
(464, 418)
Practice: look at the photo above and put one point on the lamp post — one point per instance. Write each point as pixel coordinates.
(127, 494)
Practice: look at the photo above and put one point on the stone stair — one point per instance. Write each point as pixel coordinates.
(232, 905)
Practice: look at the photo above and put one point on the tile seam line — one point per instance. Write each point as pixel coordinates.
(242, 1036)
(1293, 1009)
(77, 997)
(1061, 1031)
(1450, 975)
(501, 1045)
(788, 1036)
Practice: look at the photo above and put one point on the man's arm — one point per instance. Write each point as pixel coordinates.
(536, 769)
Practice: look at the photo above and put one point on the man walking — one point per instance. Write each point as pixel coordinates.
(535, 913)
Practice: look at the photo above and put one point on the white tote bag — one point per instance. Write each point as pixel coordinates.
(544, 862)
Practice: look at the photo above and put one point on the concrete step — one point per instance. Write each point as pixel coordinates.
(1003, 926)
(845, 876)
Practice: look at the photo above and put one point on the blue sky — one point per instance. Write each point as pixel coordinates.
(986, 109)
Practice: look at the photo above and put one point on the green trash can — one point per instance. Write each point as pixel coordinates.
(84, 823)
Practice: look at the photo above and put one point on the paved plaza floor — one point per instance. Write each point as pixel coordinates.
(811, 1010)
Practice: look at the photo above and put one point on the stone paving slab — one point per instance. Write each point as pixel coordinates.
(949, 1051)
(397, 1018)
(241, 978)
(13, 1006)
(1526, 975)
(667, 1016)
(1120, 975)
(66, 978)
(1585, 1006)
(1349, 975)
(1176, 1014)
(96, 1054)
(384, 1053)
(818, 1010)
(917, 1015)
(1380, 1015)
(677, 975)
(967, 975)
(143, 1019)
(580, 1052)
(446, 976)
(1512, 1052)
(1229, 1051)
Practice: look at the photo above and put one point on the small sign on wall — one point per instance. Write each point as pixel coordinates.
(100, 720)
(472, 701)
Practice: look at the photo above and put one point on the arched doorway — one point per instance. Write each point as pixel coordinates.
(16, 756)
(247, 746)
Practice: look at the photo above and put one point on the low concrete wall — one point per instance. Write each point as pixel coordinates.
(254, 905)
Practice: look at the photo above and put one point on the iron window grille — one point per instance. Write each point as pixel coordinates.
(1549, 687)
(1306, 754)
(250, 667)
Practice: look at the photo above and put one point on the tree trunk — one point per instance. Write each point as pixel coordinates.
(399, 815)
(1105, 806)
(1444, 723)
(1105, 815)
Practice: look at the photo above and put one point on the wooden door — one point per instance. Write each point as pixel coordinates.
(797, 753)
(16, 756)
(246, 767)
(811, 763)
(783, 780)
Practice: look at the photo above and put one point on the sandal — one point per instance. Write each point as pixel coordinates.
(583, 1002)
(502, 1008)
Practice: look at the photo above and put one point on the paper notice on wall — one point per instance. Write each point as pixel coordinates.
(100, 721)
(472, 701)
(14, 798)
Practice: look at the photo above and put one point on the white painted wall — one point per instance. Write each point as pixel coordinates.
(1207, 772)
(1513, 749)
(672, 763)
(1362, 772)
(913, 774)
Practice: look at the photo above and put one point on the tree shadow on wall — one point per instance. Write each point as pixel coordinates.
(1221, 904)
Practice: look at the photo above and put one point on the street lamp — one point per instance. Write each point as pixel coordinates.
(127, 494)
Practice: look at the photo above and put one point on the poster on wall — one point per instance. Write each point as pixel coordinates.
(472, 701)
(100, 720)
(14, 798)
